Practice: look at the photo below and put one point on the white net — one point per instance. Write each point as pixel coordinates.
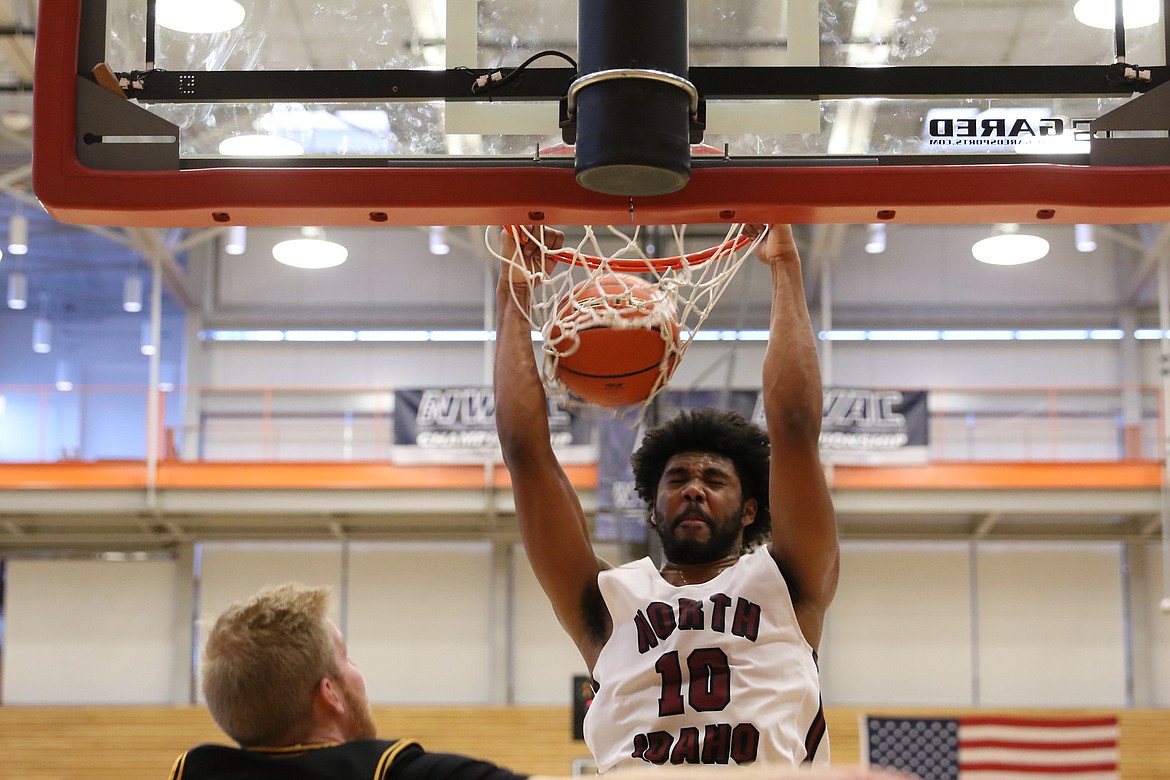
(634, 277)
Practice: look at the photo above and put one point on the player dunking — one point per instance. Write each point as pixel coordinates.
(712, 658)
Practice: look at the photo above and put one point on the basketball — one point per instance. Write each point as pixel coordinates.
(614, 335)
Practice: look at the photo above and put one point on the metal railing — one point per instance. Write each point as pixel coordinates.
(39, 423)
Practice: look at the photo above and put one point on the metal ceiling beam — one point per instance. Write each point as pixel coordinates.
(18, 175)
(986, 524)
(120, 540)
(151, 244)
(123, 520)
(1150, 527)
(148, 242)
(1143, 277)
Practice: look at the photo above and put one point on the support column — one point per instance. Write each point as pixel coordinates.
(502, 597)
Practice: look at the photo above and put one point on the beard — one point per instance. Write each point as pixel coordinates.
(724, 539)
(359, 720)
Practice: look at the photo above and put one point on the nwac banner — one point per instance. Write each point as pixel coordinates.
(458, 425)
(858, 425)
(875, 427)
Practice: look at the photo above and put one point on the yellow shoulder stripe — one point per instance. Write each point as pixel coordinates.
(388, 757)
(177, 769)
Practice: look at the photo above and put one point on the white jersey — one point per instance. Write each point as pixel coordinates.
(713, 673)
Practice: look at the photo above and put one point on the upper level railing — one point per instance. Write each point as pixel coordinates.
(40, 423)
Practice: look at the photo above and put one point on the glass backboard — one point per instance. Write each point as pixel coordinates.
(936, 111)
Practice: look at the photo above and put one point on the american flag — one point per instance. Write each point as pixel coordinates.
(993, 747)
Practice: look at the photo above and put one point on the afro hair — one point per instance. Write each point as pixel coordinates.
(716, 431)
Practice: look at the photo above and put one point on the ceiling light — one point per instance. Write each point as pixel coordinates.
(16, 121)
(64, 378)
(903, 335)
(17, 290)
(167, 376)
(320, 335)
(241, 335)
(260, 146)
(237, 240)
(872, 19)
(461, 335)
(42, 336)
(438, 240)
(1085, 238)
(1070, 334)
(132, 294)
(842, 335)
(875, 239)
(313, 251)
(393, 335)
(146, 339)
(1101, 13)
(327, 131)
(977, 335)
(206, 16)
(1007, 246)
(18, 234)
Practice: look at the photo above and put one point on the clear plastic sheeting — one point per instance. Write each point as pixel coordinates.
(373, 34)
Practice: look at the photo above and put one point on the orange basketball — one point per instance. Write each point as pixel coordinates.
(613, 335)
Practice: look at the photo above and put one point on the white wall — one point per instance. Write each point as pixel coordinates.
(927, 278)
(345, 365)
(927, 267)
(1046, 627)
(233, 571)
(705, 364)
(1051, 624)
(389, 270)
(1006, 364)
(899, 630)
(1151, 624)
(546, 659)
(420, 620)
(90, 632)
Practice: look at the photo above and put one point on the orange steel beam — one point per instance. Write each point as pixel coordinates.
(73, 475)
(229, 475)
(951, 476)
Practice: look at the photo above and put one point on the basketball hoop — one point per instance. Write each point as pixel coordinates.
(684, 285)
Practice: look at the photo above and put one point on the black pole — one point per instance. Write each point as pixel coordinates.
(633, 130)
(1118, 31)
(150, 28)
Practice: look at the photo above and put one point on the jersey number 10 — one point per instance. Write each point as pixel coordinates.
(709, 689)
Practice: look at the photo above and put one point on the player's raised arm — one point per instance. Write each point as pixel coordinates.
(804, 528)
(552, 522)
